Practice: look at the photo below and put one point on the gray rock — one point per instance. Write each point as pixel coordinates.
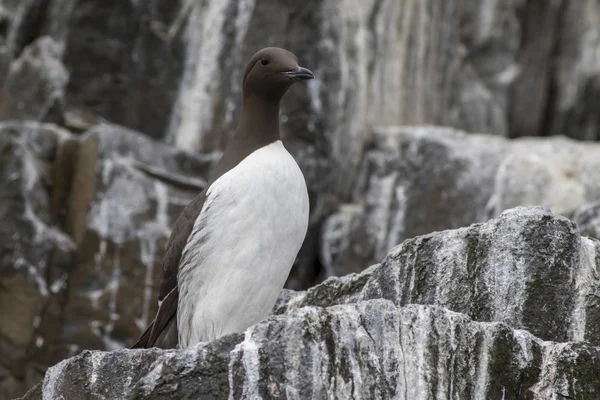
(497, 59)
(370, 349)
(141, 187)
(166, 68)
(35, 257)
(416, 180)
(518, 269)
(113, 194)
(34, 86)
(441, 316)
(587, 218)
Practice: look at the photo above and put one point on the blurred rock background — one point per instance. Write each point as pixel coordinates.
(113, 113)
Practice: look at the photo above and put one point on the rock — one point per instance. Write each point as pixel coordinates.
(518, 269)
(112, 194)
(416, 180)
(75, 183)
(165, 68)
(442, 315)
(587, 218)
(35, 84)
(574, 80)
(35, 257)
(141, 187)
(369, 349)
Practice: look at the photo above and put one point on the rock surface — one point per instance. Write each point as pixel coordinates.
(416, 180)
(141, 187)
(85, 222)
(35, 257)
(166, 68)
(441, 316)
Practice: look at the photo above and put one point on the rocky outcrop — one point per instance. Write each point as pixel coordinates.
(442, 316)
(114, 195)
(416, 180)
(35, 257)
(166, 68)
(85, 222)
(141, 188)
(106, 195)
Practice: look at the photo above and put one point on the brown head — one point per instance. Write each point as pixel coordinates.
(271, 71)
(268, 75)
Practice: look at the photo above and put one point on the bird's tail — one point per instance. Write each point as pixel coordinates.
(142, 343)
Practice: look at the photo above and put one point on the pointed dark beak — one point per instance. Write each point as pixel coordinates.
(299, 74)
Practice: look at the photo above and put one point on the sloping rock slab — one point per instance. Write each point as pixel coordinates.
(363, 336)
(529, 268)
(371, 349)
(35, 257)
(416, 180)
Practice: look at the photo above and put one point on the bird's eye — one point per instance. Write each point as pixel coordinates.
(264, 61)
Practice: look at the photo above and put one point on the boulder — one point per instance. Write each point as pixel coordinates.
(34, 86)
(166, 68)
(86, 220)
(448, 315)
(141, 186)
(35, 257)
(415, 180)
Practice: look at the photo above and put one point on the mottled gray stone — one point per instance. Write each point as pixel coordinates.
(416, 180)
(35, 256)
(441, 316)
(519, 268)
(587, 218)
(370, 349)
(34, 86)
(172, 70)
(141, 188)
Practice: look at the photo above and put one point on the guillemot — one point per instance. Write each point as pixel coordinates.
(232, 248)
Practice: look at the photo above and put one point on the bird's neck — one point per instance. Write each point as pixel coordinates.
(258, 127)
(259, 120)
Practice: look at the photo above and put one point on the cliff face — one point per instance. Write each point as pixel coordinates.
(504, 309)
(113, 113)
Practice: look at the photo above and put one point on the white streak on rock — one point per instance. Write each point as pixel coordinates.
(193, 111)
(585, 284)
(51, 381)
(250, 360)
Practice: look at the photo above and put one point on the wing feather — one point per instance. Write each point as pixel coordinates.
(163, 328)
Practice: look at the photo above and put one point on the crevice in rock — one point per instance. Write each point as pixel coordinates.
(551, 98)
(32, 25)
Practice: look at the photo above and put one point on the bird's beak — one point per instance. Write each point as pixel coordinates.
(299, 74)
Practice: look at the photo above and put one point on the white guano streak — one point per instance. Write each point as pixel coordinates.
(192, 113)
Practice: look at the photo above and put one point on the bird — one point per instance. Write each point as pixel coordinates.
(233, 246)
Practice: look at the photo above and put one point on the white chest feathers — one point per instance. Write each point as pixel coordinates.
(242, 246)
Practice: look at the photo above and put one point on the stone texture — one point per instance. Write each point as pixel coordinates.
(171, 69)
(587, 218)
(441, 316)
(518, 269)
(416, 180)
(517, 67)
(35, 83)
(35, 257)
(166, 68)
(112, 194)
(141, 187)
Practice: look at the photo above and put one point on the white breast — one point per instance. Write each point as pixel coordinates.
(242, 246)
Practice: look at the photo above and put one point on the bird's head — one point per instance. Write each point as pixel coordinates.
(271, 71)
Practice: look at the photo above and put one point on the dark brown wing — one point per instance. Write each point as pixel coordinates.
(163, 329)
